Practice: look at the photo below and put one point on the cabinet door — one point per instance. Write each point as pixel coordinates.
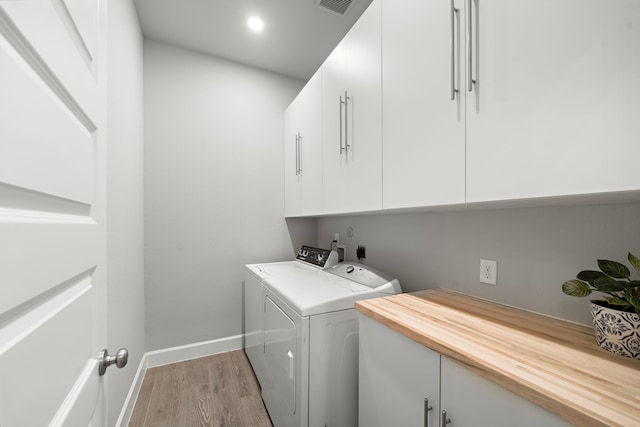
(351, 88)
(310, 147)
(423, 133)
(396, 375)
(303, 151)
(470, 400)
(555, 111)
(292, 182)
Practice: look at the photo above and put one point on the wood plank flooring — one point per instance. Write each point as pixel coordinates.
(218, 390)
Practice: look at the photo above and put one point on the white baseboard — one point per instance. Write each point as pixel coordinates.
(130, 401)
(167, 356)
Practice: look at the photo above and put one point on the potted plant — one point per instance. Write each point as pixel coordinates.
(616, 319)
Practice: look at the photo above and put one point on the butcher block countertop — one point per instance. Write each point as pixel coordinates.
(553, 363)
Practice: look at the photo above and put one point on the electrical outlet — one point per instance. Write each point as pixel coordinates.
(488, 272)
(361, 252)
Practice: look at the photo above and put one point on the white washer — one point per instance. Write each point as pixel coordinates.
(308, 364)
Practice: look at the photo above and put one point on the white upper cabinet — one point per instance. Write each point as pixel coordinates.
(351, 119)
(423, 132)
(481, 102)
(555, 110)
(303, 151)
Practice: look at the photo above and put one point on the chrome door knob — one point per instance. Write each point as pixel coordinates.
(104, 360)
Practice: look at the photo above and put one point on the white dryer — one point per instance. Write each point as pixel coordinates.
(307, 259)
(308, 369)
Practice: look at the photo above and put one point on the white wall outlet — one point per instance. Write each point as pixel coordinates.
(488, 271)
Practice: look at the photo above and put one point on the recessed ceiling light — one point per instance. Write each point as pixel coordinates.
(255, 23)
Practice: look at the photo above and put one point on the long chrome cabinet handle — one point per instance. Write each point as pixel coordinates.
(470, 80)
(346, 121)
(454, 11)
(341, 104)
(299, 153)
(443, 419)
(427, 409)
(296, 154)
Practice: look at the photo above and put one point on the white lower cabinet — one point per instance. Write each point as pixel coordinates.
(467, 399)
(397, 374)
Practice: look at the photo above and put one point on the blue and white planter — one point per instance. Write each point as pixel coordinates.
(616, 331)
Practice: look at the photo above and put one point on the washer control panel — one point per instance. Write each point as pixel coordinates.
(365, 275)
(323, 258)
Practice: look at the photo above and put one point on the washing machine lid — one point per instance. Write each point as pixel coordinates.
(316, 292)
(278, 268)
(307, 258)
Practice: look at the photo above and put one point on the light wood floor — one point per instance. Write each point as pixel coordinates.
(218, 390)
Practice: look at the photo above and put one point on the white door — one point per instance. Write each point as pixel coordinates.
(52, 208)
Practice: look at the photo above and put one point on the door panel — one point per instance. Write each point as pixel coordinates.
(36, 128)
(32, 335)
(32, 267)
(47, 38)
(52, 251)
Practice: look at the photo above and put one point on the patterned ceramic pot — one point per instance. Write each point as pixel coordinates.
(616, 331)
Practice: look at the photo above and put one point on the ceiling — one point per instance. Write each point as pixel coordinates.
(297, 37)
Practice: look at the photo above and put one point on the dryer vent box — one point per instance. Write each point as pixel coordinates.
(339, 7)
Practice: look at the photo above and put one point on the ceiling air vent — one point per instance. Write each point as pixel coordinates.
(336, 6)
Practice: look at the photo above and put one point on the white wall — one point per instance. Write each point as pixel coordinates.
(537, 249)
(214, 190)
(125, 269)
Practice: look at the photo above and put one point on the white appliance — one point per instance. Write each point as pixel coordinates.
(302, 335)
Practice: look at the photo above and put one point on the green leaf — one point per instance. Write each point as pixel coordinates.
(614, 269)
(590, 275)
(635, 262)
(617, 301)
(576, 288)
(635, 301)
(631, 285)
(607, 284)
